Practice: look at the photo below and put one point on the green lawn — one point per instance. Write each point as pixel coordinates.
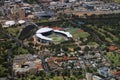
(13, 31)
(75, 32)
(92, 43)
(114, 58)
(81, 35)
(57, 38)
(43, 20)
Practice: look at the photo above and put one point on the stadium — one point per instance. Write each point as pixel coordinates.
(47, 35)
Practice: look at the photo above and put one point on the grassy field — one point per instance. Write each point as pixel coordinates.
(13, 31)
(57, 38)
(114, 58)
(76, 32)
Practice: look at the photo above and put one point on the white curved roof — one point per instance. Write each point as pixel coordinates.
(43, 30)
(66, 33)
(21, 21)
(9, 23)
(46, 29)
(43, 37)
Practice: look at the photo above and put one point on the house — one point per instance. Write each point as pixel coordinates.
(116, 73)
(97, 78)
(7, 1)
(104, 71)
(53, 65)
(113, 48)
(59, 59)
(89, 76)
(56, 62)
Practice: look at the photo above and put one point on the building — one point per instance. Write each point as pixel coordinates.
(7, 1)
(22, 14)
(18, 1)
(116, 73)
(8, 23)
(42, 33)
(113, 48)
(44, 1)
(96, 78)
(26, 63)
(44, 14)
(1, 3)
(89, 7)
(89, 76)
(56, 62)
(104, 71)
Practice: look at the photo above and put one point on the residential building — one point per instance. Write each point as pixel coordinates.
(22, 14)
(97, 78)
(104, 71)
(89, 76)
(27, 63)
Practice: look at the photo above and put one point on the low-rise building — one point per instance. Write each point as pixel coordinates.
(56, 62)
(89, 76)
(97, 78)
(27, 63)
(104, 71)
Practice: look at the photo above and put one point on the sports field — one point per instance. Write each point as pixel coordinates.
(78, 33)
(57, 38)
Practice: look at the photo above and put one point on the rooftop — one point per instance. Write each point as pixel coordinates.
(112, 48)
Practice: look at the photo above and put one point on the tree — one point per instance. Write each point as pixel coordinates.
(22, 50)
(86, 48)
(73, 78)
(3, 71)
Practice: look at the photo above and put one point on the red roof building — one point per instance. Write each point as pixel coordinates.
(116, 73)
(65, 58)
(112, 48)
(57, 28)
(81, 30)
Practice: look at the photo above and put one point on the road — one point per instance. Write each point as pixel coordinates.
(13, 38)
(45, 66)
(10, 62)
(28, 22)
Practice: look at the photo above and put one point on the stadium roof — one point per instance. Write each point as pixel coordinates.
(46, 29)
(66, 33)
(43, 30)
(43, 37)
